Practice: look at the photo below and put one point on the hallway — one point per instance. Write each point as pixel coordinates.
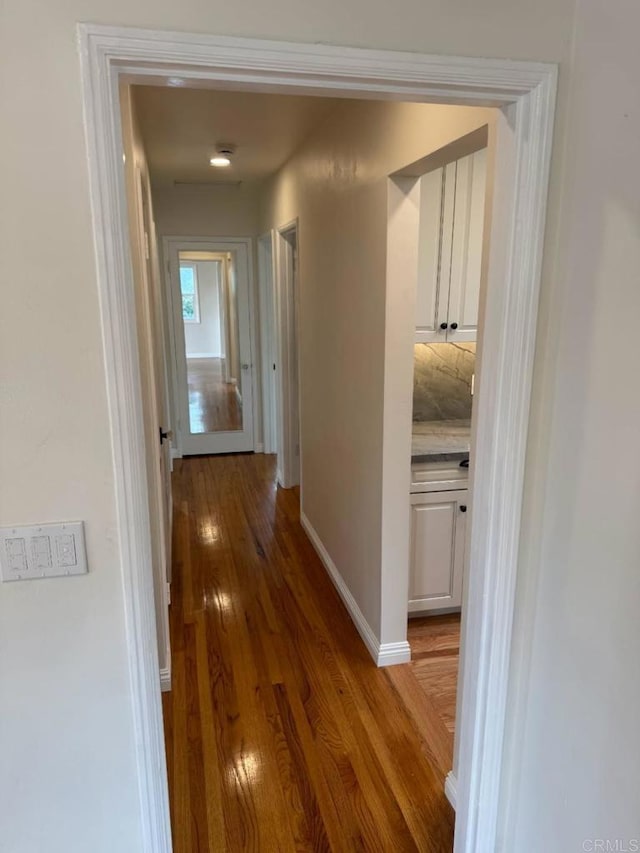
(281, 733)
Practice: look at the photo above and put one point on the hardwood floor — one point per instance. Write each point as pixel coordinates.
(435, 650)
(213, 403)
(281, 733)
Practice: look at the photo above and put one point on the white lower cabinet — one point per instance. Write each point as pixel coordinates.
(438, 521)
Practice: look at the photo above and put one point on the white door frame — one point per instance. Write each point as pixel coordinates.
(112, 54)
(288, 373)
(267, 303)
(219, 245)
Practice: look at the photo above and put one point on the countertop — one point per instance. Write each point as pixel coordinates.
(440, 441)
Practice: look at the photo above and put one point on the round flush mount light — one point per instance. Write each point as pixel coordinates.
(222, 157)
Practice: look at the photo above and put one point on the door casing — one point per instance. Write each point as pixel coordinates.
(525, 92)
(289, 447)
(268, 339)
(223, 442)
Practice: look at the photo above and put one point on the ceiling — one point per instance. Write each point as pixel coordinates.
(181, 127)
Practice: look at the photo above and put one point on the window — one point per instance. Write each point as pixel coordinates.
(189, 292)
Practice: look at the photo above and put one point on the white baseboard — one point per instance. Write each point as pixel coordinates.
(165, 679)
(259, 447)
(392, 653)
(383, 654)
(203, 355)
(175, 453)
(451, 789)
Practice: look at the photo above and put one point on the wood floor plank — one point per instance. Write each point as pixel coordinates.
(281, 733)
(211, 768)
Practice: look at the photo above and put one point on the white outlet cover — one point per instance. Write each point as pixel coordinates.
(42, 551)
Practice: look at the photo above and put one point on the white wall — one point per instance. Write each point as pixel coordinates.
(336, 184)
(204, 337)
(575, 753)
(62, 641)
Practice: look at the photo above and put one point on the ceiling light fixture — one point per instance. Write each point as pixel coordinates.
(222, 157)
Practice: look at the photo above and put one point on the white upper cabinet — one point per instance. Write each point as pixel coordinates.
(431, 192)
(451, 226)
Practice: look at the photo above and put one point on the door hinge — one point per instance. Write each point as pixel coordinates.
(165, 435)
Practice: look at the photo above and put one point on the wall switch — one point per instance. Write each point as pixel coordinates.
(42, 551)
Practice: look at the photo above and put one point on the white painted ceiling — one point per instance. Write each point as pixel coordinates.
(181, 127)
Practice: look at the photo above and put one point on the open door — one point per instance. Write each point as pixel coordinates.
(153, 364)
(209, 286)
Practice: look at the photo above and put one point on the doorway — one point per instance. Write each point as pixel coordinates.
(525, 92)
(209, 294)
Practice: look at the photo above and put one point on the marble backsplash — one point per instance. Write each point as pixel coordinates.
(442, 381)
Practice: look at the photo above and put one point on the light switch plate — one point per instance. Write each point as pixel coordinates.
(42, 551)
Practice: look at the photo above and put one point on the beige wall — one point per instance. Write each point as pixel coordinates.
(66, 739)
(192, 211)
(336, 184)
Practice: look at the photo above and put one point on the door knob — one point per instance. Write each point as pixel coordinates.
(463, 508)
(443, 326)
(246, 366)
(454, 326)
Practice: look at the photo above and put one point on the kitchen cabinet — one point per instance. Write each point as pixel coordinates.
(450, 243)
(437, 556)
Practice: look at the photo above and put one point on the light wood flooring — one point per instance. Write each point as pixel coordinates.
(435, 649)
(281, 733)
(213, 403)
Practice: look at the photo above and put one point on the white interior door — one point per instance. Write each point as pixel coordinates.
(155, 410)
(211, 309)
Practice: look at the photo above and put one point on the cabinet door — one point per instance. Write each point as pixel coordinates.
(466, 252)
(429, 234)
(437, 550)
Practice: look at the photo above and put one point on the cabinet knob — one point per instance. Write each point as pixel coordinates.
(454, 326)
(443, 326)
(463, 507)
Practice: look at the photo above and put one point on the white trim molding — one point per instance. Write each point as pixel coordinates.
(165, 679)
(393, 653)
(383, 655)
(451, 789)
(110, 55)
